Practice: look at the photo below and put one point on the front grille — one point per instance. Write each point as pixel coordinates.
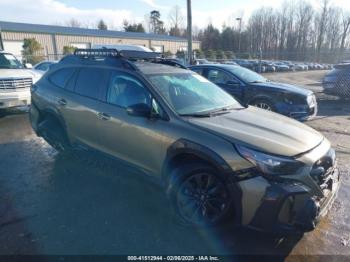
(323, 169)
(13, 84)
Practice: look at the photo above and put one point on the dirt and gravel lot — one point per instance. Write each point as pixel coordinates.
(50, 204)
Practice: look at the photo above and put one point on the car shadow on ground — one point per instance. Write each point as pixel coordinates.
(13, 111)
(85, 205)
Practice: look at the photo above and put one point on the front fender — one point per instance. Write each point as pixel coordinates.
(187, 147)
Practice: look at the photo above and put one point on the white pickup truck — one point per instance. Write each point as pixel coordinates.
(15, 81)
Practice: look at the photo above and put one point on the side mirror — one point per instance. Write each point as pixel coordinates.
(28, 65)
(142, 110)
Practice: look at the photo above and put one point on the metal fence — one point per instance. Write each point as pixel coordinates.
(340, 82)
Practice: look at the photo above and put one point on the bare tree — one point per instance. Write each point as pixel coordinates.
(304, 15)
(345, 30)
(295, 31)
(176, 18)
(322, 20)
(333, 28)
(73, 23)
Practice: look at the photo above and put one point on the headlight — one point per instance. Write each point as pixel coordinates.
(311, 100)
(268, 164)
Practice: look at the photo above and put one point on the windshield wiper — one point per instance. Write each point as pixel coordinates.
(197, 115)
(223, 110)
(219, 111)
(257, 81)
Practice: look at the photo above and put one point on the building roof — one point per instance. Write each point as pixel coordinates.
(63, 30)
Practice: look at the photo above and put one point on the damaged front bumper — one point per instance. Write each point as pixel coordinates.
(290, 207)
(293, 203)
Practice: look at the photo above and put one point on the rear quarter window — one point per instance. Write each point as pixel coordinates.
(60, 77)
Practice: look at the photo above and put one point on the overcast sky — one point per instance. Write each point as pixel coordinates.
(115, 11)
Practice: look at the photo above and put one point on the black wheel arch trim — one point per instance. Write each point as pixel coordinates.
(54, 113)
(184, 146)
(187, 147)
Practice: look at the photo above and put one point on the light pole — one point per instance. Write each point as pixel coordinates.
(189, 32)
(239, 36)
(1, 44)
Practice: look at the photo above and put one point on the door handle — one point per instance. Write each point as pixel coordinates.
(103, 116)
(62, 102)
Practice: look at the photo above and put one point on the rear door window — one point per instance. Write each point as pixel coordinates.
(89, 81)
(62, 76)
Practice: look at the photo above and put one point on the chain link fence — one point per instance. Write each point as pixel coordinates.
(338, 81)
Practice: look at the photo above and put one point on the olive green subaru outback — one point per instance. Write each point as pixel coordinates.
(219, 161)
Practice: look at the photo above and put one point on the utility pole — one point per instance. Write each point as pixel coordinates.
(239, 35)
(189, 32)
(1, 44)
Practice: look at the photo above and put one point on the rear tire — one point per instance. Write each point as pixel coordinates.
(53, 133)
(199, 196)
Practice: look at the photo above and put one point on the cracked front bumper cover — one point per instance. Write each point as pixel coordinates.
(304, 219)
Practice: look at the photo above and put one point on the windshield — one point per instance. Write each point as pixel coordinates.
(9, 61)
(192, 93)
(247, 75)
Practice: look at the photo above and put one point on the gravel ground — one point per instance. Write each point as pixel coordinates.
(51, 204)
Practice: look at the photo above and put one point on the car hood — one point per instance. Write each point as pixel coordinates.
(284, 87)
(21, 73)
(262, 130)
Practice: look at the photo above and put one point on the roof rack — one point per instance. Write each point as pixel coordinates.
(126, 57)
(106, 52)
(101, 52)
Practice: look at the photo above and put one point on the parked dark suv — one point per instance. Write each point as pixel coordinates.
(251, 88)
(337, 81)
(217, 160)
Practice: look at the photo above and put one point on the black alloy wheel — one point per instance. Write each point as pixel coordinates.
(202, 199)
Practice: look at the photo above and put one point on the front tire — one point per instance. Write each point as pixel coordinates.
(263, 104)
(200, 196)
